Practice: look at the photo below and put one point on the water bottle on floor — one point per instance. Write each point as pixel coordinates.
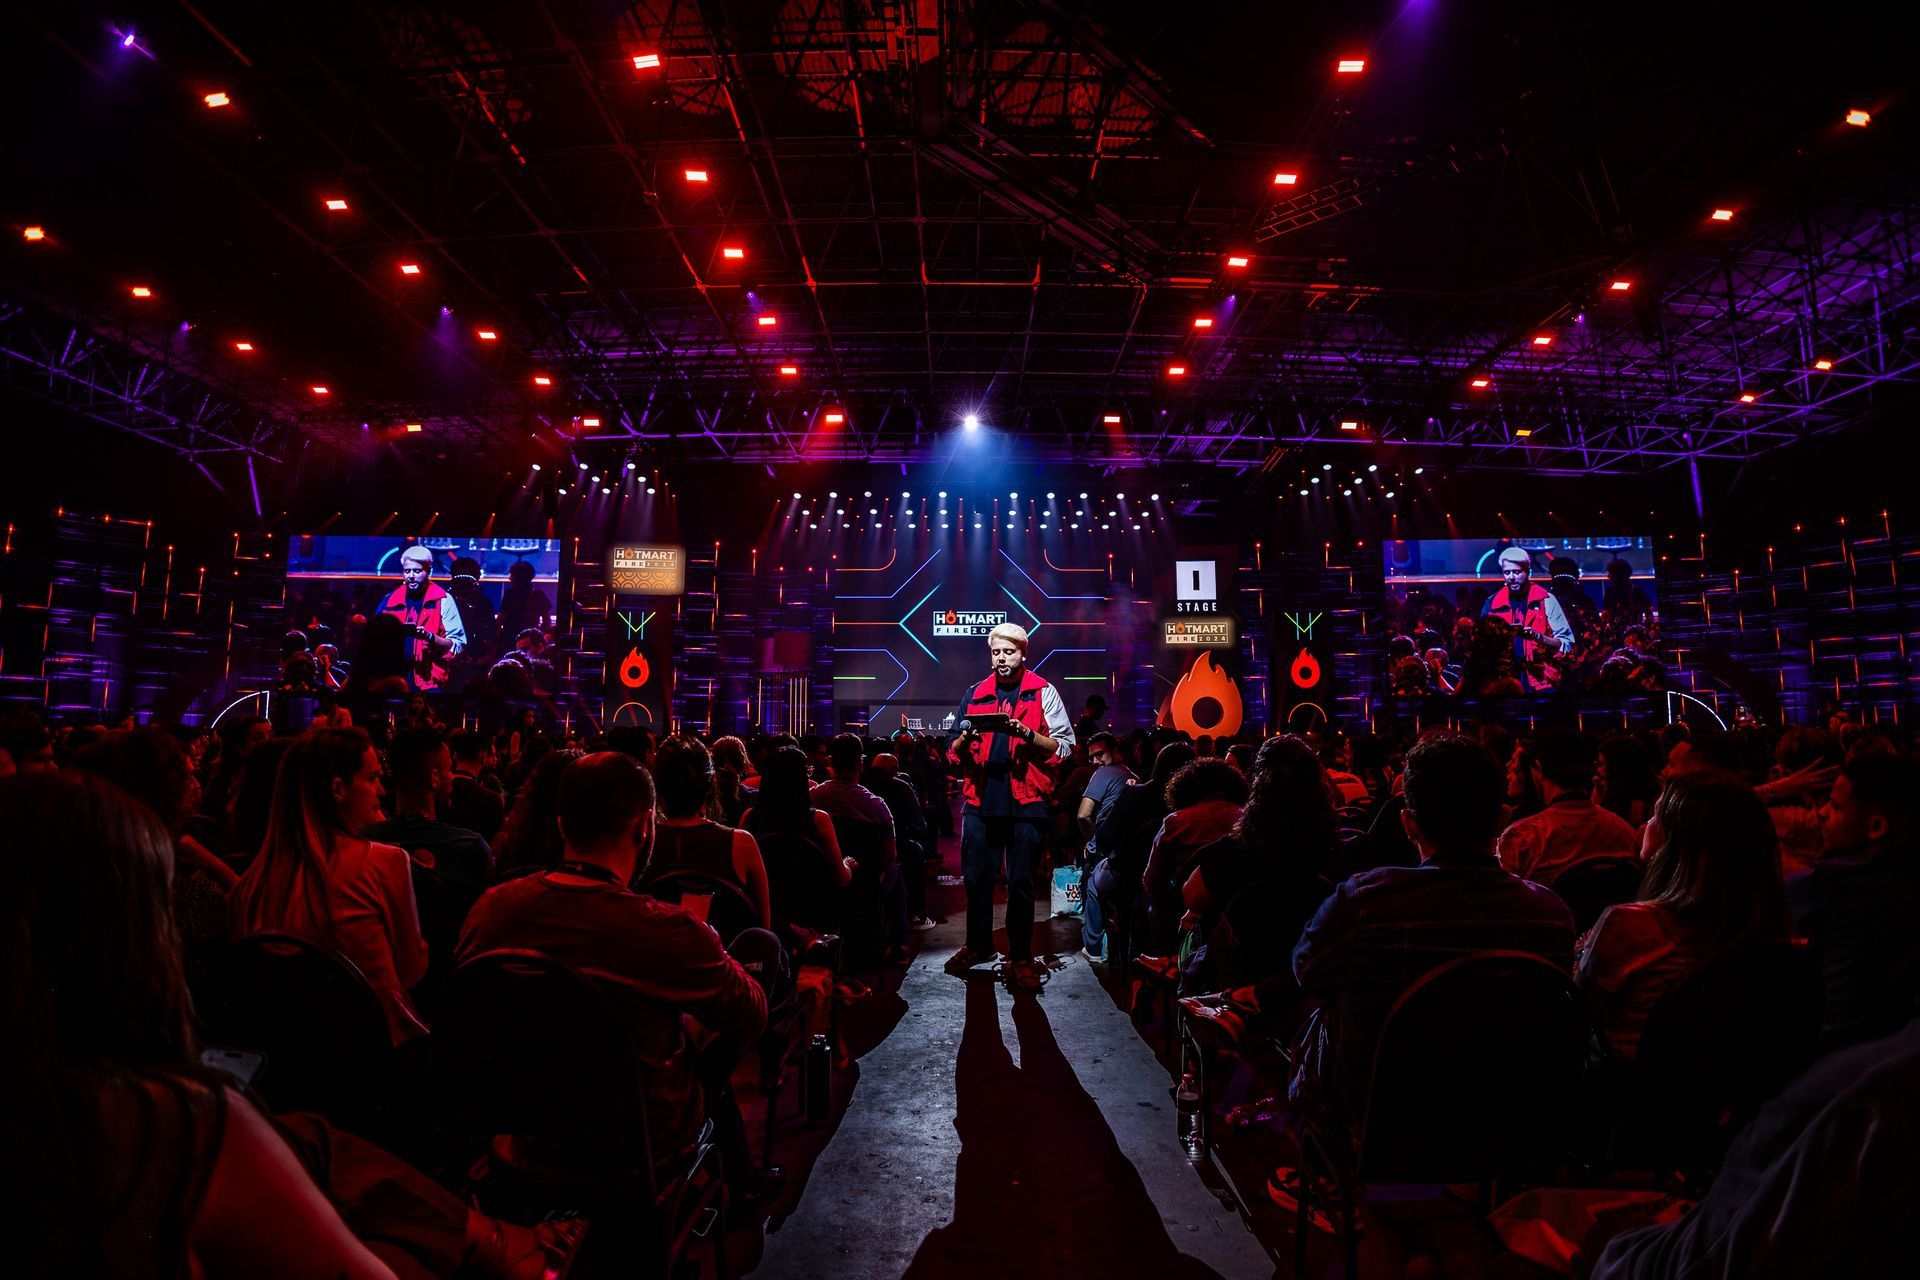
(1186, 1102)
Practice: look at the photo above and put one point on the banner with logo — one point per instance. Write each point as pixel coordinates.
(1200, 643)
(1302, 678)
(643, 586)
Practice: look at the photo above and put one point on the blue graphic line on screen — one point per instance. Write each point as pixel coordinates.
(1037, 587)
(902, 624)
(905, 675)
(903, 584)
(632, 630)
(1049, 653)
(1037, 624)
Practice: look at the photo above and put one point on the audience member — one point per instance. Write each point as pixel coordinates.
(478, 802)
(1204, 801)
(784, 808)
(452, 866)
(1712, 884)
(1857, 905)
(1570, 828)
(732, 795)
(685, 839)
(1110, 778)
(867, 835)
(1798, 819)
(532, 841)
(657, 964)
(1126, 835)
(316, 877)
(913, 839)
(1382, 929)
(1625, 782)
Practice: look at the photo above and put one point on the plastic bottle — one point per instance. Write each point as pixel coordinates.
(1186, 1101)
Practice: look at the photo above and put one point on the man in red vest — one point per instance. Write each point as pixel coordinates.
(1541, 630)
(430, 615)
(1007, 778)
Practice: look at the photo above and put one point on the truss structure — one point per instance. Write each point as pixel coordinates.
(948, 207)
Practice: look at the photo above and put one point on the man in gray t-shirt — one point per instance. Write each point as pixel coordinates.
(1109, 779)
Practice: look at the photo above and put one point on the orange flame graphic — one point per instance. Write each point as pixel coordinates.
(634, 670)
(952, 618)
(1205, 680)
(1305, 670)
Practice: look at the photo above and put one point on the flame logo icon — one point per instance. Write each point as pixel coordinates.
(1305, 670)
(953, 619)
(1203, 682)
(634, 670)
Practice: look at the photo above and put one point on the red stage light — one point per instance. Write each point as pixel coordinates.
(216, 99)
(1349, 426)
(35, 233)
(696, 175)
(1859, 117)
(1621, 286)
(321, 390)
(1351, 66)
(1203, 322)
(1111, 419)
(645, 61)
(1542, 340)
(1176, 371)
(542, 380)
(734, 252)
(487, 335)
(1747, 397)
(835, 419)
(789, 370)
(1823, 365)
(243, 346)
(1723, 215)
(141, 291)
(409, 269)
(589, 422)
(1522, 432)
(1237, 260)
(766, 322)
(1482, 383)
(413, 426)
(337, 205)
(1284, 179)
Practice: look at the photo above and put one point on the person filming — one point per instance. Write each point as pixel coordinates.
(1007, 777)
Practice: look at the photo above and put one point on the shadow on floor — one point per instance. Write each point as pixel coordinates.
(1042, 1187)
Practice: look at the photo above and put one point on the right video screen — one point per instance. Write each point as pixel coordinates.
(1497, 617)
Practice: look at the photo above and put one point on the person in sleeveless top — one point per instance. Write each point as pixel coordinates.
(685, 839)
(130, 1160)
(317, 878)
(784, 806)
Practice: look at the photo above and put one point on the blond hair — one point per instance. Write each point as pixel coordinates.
(1010, 631)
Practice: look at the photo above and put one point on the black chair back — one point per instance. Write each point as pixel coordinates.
(729, 910)
(1590, 887)
(524, 1046)
(1717, 1047)
(803, 888)
(311, 1013)
(1474, 1073)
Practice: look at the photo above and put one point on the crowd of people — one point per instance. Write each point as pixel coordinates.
(1297, 884)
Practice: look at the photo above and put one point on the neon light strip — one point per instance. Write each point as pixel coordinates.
(903, 584)
(1037, 587)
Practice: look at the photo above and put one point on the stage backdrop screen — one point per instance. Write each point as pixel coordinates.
(910, 629)
(335, 582)
(1453, 628)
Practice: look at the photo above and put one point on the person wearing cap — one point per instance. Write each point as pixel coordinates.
(1006, 779)
(1540, 625)
(430, 616)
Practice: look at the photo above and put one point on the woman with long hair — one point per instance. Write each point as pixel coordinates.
(784, 806)
(316, 877)
(532, 839)
(1712, 884)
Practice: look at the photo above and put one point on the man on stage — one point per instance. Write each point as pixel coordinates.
(1007, 778)
(431, 616)
(1541, 630)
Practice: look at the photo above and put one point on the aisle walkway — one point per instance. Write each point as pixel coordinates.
(998, 1135)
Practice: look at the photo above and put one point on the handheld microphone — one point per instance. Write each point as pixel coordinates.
(965, 726)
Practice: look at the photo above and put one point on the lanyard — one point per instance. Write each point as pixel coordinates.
(588, 871)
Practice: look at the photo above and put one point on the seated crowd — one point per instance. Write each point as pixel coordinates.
(688, 885)
(1295, 888)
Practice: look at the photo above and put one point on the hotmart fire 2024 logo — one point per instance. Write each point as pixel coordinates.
(953, 622)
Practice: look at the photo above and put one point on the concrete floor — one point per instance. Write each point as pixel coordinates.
(992, 1134)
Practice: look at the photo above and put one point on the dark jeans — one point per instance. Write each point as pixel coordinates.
(983, 843)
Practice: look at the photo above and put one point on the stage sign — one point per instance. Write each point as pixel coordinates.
(1199, 632)
(640, 666)
(1302, 679)
(638, 569)
(959, 622)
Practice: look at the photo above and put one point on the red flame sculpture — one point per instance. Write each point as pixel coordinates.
(1305, 670)
(634, 670)
(1205, 680)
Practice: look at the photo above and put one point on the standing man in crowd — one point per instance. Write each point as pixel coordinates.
(1007, 778)
(430, 616)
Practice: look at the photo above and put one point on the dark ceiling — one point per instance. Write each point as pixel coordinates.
(1015, 209)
